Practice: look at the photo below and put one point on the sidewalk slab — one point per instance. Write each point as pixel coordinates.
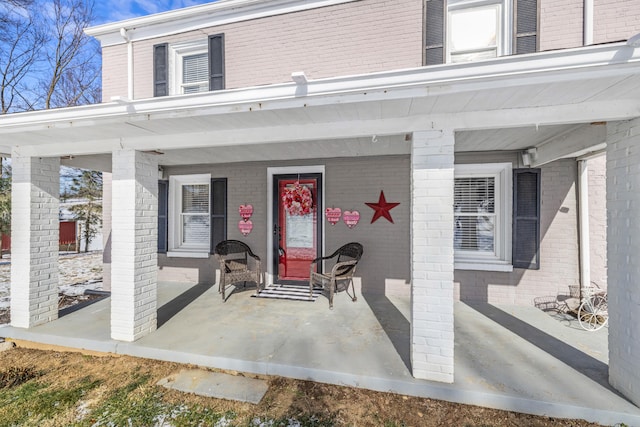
(217, 384)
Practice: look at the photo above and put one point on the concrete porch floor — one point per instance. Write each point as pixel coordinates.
(506, 357)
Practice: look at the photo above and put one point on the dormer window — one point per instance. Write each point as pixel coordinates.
(189, 67)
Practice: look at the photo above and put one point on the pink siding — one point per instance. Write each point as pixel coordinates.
(353, 38)
(560, 24)
(615, 20)
(114, 72)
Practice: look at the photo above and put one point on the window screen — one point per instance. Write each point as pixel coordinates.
(475, 214)
(195, 214)
(195, 73)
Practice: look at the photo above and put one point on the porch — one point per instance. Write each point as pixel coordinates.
(506, 357)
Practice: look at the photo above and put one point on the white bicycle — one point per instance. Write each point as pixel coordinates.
(593, 313)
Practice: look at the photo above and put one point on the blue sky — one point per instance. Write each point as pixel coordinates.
(117, 10)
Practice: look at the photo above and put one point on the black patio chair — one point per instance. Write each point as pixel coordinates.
(346, 261)
(237, 264)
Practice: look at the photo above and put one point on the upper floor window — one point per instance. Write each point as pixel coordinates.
(474, 33)
(189, 67)
(191, 64)
(470, 30)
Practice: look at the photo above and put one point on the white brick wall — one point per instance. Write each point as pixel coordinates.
(432, 337)
(134, 245)
(598, 219)
(623, 209)
(34, 236)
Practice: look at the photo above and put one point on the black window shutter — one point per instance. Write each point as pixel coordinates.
(160, 70)
(163, 210)
(526, 218)
(526, 23)
(216, 62)
(218, 211)
(434, 31)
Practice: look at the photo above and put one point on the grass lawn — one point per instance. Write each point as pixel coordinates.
(54, 388)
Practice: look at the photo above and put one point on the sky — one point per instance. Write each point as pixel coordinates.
(117, 10)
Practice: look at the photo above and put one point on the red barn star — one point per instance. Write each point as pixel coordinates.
(382, 208)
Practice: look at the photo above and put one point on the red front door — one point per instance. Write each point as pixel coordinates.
(297, 228)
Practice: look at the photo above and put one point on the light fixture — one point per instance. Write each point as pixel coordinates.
(528, 156)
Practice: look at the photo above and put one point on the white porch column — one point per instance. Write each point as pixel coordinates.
(623, 237)
(35, 235)
(432, 255)
(134, 245)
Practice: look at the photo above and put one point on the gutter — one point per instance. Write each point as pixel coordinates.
(610, 60)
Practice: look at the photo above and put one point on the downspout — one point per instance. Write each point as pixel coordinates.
(587, 36)
(583, 223)
(125, 35)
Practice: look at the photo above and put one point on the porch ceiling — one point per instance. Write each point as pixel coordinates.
(509, 103)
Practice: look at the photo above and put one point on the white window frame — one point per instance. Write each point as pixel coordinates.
(500, 260)
(505, 22)
(174, 245)
(177, 52)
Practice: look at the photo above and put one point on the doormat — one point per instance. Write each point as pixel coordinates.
(293, 292)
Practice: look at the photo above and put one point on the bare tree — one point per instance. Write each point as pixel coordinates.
(72, 75)
(20, 46)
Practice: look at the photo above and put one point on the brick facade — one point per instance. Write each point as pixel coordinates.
(598, 219)
(432, 176)
(34, 231)
(353, 38)
(134, 242)
(623, 206)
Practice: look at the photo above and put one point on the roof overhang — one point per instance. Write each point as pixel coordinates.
(559, 89)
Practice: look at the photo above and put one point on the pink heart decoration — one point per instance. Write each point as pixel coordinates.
(351, 218)
(245, 226)
(246, 211)
(333, 215)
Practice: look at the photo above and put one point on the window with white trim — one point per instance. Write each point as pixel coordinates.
(482, 216)
(190, 62)
(478, 29)
(189, 213)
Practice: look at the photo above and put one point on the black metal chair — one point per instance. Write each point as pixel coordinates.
(237, 264)
(346, 261)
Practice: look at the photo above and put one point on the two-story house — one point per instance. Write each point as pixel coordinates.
(467, 124)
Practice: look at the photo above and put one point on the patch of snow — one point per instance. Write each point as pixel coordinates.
(79, 289)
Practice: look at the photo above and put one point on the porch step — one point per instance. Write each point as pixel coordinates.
(217, 384)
